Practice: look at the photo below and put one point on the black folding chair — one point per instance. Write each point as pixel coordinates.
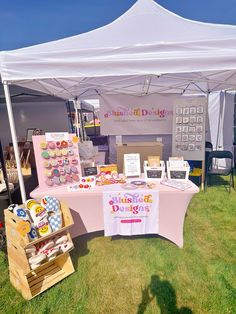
(208, 149)
(214, 169)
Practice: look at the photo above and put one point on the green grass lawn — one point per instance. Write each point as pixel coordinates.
(147, 274)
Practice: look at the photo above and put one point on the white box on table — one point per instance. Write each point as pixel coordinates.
(178, 173)
(154, 173)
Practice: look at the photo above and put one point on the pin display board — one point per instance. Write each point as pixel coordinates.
(189, 119)
(57, 159)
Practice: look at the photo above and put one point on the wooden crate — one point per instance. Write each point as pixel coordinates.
(33, 282)
(11, 221)
(46, 276)
(21, 261)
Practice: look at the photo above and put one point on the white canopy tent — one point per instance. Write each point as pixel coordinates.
(147, 50)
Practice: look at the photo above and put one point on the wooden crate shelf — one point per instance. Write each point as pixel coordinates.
(30, 282)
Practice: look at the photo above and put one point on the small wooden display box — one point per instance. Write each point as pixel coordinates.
(178, 173)
(154, 173)
(33, 282)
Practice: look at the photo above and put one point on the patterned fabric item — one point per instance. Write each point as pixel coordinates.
(51, 204)
(55, 221)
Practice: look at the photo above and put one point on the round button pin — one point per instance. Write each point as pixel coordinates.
(43, 145)
(45, 155)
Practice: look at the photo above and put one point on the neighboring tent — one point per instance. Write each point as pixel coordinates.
(146, 50)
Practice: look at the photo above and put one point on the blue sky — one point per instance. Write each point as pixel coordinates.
(29, 22)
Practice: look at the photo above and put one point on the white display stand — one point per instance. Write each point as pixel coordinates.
(154, 173)
(178, 173)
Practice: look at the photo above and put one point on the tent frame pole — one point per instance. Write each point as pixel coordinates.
(14, 140)
(204, 161)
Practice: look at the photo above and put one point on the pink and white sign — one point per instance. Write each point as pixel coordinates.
(130, 212)
(132, 115)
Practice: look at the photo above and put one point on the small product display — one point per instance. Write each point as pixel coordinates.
(113, 178)
(84, 183)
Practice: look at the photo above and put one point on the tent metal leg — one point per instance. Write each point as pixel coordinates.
(14, 140)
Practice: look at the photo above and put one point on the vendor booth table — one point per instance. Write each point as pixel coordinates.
(87, 209)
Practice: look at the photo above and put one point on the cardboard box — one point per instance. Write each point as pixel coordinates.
(145, 149)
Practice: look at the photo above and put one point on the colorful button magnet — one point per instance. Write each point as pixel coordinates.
(70, 144)
(54, 163)
(70, 152)
(75, 177)
(67, 169)
(55, 172)
(51, 145)
(60, 162)
(56, 180)
(62, 172)
(66, 161)
(43, 145)
(49, 182)
(74, 161)
(58, 144)
(45, 155)
(62, 179)
(64, 152)
(74, 169)
(69, 179)
(58, 152)
(64, 144)
(48, 173)
(52, 153)
(47, 164)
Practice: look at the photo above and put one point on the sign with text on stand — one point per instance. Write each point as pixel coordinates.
(132, 167)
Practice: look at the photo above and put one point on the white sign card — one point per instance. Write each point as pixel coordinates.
(132, 166)
(58, 136)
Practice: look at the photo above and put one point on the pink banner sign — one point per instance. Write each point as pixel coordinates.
(130, 212)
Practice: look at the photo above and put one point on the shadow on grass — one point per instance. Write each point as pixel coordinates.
(165, 296)
(81, 245)
(216, 180)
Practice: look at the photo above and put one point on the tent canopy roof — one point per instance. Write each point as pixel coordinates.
(146, 50)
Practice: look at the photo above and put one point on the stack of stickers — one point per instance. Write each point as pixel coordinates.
(60, 162)
(40, 218)
(47, 250)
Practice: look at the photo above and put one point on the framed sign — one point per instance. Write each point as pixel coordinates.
(132, 166)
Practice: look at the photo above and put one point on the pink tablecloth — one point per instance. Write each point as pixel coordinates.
(87, 209)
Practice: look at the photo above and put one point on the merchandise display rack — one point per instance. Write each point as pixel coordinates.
(30, 282)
